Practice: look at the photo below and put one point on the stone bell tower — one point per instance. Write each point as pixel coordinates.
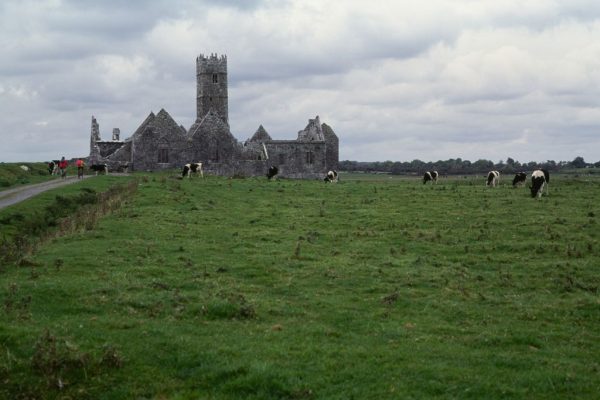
(211, 81)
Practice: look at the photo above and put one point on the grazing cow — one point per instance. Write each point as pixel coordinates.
(492, 178)
(332, 176)
(520, 177)
(430, 176)
(273, 170)
(547, 177)
(99, 168)
(538, 181)
(192, 168)
(24, 168)
(53, 167)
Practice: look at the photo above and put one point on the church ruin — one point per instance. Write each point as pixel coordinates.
(160, 143)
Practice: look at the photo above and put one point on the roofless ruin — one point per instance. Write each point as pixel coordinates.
(160, 143)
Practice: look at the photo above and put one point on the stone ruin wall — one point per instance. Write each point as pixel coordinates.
(160, 143)
(220, 153)
(108, 148)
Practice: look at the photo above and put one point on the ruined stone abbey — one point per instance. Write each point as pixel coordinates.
(160, 143)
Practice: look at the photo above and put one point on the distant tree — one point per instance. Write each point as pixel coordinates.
(578, 162)
(531, 165)
(458, 166)
(482, 166)
(347, 165)
(418, 165)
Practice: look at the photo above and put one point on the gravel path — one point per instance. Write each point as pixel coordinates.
(16, 195)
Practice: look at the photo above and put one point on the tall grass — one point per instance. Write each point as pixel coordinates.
(244, 288)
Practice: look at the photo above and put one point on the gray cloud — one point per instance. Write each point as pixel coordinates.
(430, 80)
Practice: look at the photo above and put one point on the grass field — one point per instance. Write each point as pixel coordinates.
(378, 288)
(11, 174)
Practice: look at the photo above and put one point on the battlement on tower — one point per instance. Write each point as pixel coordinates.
(213, 63)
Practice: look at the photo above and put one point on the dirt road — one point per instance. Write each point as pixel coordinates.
(13, 196)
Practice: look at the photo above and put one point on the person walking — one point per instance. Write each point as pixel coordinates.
(62, 165)
(80, 164)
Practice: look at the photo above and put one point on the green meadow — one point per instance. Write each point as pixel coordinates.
(376, 287)
(11, 174)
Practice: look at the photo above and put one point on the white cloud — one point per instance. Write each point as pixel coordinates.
(435, 79)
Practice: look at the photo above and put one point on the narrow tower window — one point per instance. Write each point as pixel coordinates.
(163, 156)
(215, 78)
(309, 157)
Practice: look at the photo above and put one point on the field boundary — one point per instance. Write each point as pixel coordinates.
(16, 195)
(50, 224)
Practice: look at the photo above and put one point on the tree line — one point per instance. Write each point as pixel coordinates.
(458, 166)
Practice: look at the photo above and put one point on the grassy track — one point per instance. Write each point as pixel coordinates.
(368, 289)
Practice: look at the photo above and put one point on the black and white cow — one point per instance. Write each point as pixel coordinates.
(192, 168)
(430, 176)
(538, 181)
(99, 168)
(53, 167)
(332, 176)
(492, 178)
(273, 170)
(520, 177)
(547, 177)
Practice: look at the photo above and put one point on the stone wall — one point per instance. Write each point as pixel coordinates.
(108, 148)
(160, 143)
(297, 159)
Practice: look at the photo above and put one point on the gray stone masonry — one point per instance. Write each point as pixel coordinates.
(211, 86)
(160, 143)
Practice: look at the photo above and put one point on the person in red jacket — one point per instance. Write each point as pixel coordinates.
(62, 165)
(80, 164)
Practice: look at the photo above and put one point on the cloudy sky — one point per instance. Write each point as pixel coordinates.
(396, 80)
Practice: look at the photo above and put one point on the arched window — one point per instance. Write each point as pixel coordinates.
(163, 156)
(163, 151)
(310, 157)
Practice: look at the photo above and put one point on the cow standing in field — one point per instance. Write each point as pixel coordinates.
(53, 167)
(430, 176)
(273, 170)
(538, 181)
(547, 177)
(192, 168)
(520, 177)
(332, 176)
(492, 178)
(99, 168)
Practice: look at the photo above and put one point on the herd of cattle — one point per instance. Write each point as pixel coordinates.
(196, 168)
(540, 179)
(53, 168)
